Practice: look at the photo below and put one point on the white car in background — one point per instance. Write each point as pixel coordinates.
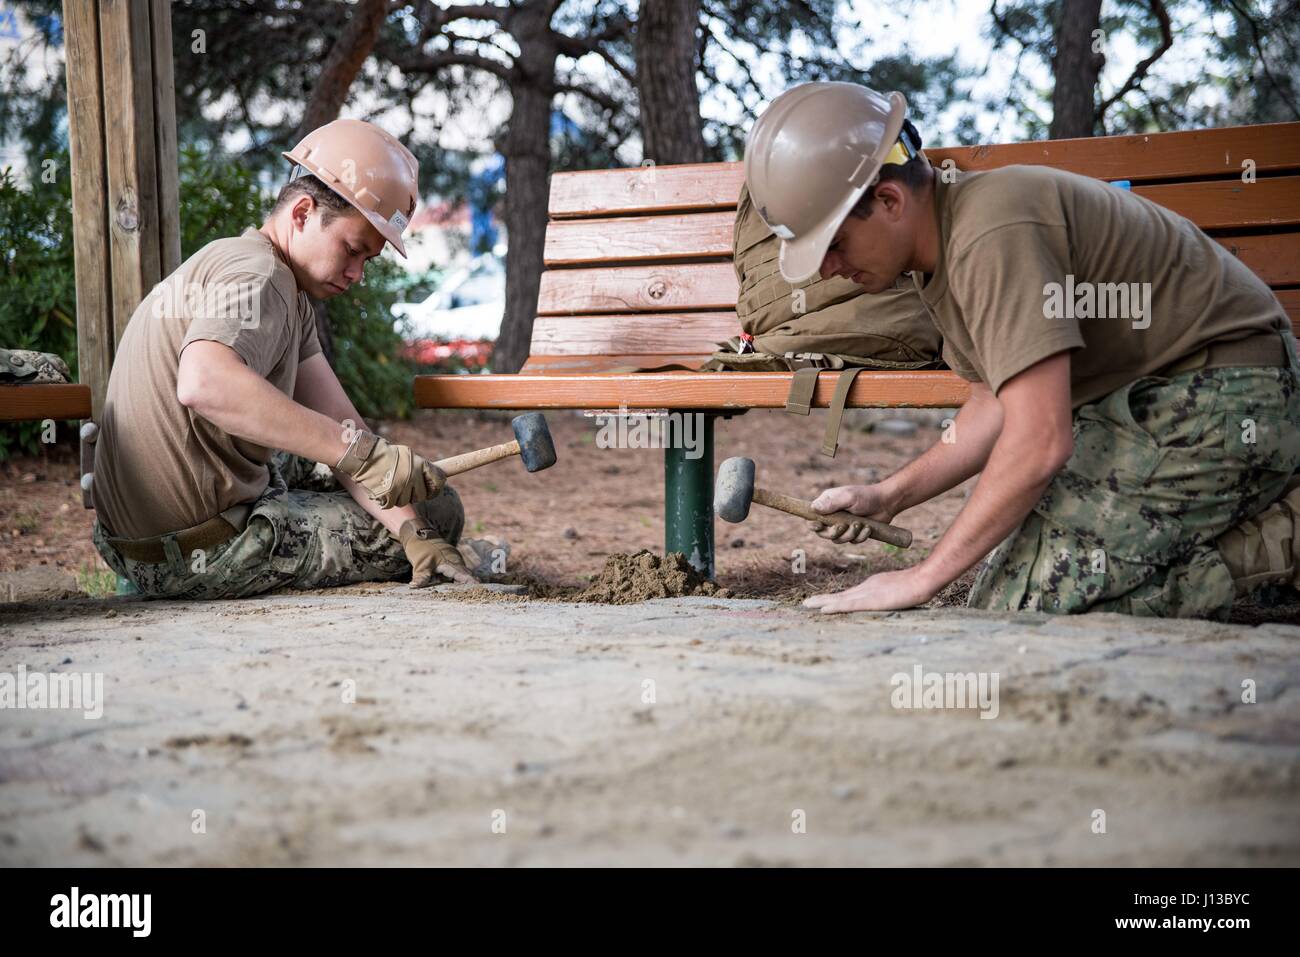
(468, 305)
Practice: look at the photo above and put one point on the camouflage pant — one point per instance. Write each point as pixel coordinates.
(1160, 468)
(304, 531)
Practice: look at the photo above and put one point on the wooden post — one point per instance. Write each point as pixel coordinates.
(95, 341)
(125, 202)
(127, 63)
(164, 120)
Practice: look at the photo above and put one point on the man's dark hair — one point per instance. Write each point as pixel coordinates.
(913, 174)
(331, 204)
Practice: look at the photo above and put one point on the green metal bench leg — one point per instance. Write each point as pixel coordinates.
(688, 501)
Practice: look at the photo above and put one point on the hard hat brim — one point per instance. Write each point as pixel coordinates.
(801, 258)
(386, 229)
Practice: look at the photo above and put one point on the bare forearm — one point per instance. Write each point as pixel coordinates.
(318, 423)
(960, 453)
(1018, 471)
(250, 408)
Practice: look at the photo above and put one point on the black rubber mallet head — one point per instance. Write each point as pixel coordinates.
(532, 444)
(734, 491)
(534, 438)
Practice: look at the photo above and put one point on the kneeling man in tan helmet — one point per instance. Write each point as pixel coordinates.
(1134, 411)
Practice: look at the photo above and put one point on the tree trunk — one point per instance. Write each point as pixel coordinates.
(527, 150)
(1075, 68)
(342, 65)
(665, 79)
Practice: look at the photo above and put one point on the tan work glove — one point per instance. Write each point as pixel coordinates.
(858, 499)
(394, 475)
(431, 555)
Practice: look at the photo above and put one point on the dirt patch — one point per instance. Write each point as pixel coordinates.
(627, 579)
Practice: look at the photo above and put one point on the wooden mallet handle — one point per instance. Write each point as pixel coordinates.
(472, 460)
(793, 506)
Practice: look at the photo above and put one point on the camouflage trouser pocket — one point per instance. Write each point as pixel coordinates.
(294, 538)
(1115, 523)
(1259, 440)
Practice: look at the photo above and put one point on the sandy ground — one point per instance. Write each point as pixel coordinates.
(537, 717)
(376, 725)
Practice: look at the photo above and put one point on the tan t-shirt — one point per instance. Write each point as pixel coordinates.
(159, 467)
(1033, 261)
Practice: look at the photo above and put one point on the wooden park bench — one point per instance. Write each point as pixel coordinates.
(38, 401)
(639, 275)
(44, 400)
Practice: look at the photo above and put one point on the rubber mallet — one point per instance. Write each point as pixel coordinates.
(532, 444)
(735, 491)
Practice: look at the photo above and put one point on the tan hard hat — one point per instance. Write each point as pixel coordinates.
(369, 168)
(809, 158)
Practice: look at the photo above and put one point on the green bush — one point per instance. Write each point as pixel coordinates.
(218, 197)
(38, 305)
(367, 347)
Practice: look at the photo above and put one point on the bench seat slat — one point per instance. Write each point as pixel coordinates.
(44, 400)
(681, 390)
(1142, 158)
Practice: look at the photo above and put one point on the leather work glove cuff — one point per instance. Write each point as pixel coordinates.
(412, 528)
(360, 449)
(393, 475)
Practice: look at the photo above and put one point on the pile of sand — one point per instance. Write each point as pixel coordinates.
(627, 579)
